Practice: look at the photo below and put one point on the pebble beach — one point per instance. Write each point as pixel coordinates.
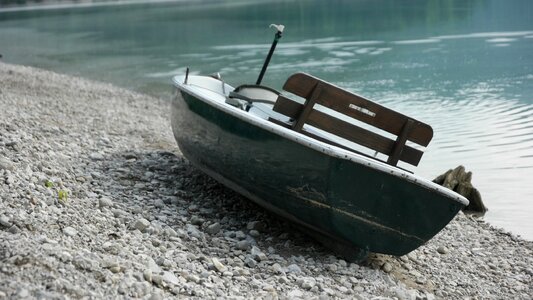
(97, 202)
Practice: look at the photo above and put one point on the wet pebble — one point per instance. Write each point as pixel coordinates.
(70, 231)
(141, 224)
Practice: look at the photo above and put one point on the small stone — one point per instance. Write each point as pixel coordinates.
(213, 228)
(194, 232)
(412, 256)
(136, 209)
(141, 224)
(193, 278)
(240, 235)
(343, 289)
(147, 275)
(161, 261)
(64, 256)
(256, 225)
(250, 262)
(170, 232)
(105, 202)
(115, 269)
(169, 277)
(294, 269)
(96, 156)
(4, 221)
(420, 280)
(117, 213)
(243, 245)
(205, 274)
(109, 263)
(308, 283)
(157, 280)
(269, 288)
(329, 291)
(130, 155)
(195, 220)
(70, 231)
(254, 233)
(342, 263)
(295, 294)
(387, 268)
(325, 296)
(22, 293)
(276, 268)
(6, 165)
(332, 267)
(257, 254)
(152, 266)
(10, 180)
(155, 296)
(13, 229)
(227, 274)
(218, 265)
(443, 250)
(159, 203)
(84, 263)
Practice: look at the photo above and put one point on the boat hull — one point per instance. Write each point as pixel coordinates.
(348, 202)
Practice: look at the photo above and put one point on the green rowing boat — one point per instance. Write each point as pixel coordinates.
(322, 157)
(251, 140)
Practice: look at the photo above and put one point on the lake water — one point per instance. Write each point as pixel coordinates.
(464, 67)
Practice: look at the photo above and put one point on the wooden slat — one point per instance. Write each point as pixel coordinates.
(327, 141)
(308, 107)
(280, 123)
(400, 143)
(338, 99)
(316, 137)
(317, 91)
(351, 132)
(346, 130)
(362, 136)
(288, 107)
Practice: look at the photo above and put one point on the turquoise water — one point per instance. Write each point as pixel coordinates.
(465, 67)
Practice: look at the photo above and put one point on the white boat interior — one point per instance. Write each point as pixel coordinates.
(259, 103)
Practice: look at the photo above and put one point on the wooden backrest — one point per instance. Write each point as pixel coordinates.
(317, 91)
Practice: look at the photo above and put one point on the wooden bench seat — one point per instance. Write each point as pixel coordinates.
(316, 91)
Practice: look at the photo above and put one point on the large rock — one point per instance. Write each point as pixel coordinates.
(459, 181)
(141, 224)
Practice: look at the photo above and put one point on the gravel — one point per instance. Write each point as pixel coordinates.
(97, 202)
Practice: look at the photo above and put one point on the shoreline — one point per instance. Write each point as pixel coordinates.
(58, 5)
(140, 221)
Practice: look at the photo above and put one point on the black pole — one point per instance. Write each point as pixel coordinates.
(186, 75)
(269, 56)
